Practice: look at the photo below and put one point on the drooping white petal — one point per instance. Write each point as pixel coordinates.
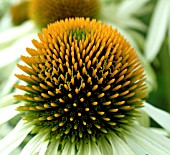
(145, 141)
(158, 115)
(119, 147)
(157, 29)
(34, 145)
(127, 8)
(53, 149)
(8, 112)
(15, 137)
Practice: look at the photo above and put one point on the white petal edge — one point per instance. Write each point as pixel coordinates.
(119, 147)
(144, 141)
(8, 112)
(15, 137)
(34, 145)
(157, 29)
(158, 115)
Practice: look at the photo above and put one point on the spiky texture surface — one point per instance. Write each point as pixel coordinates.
(19, 12)
(43, 12)
(83, 80)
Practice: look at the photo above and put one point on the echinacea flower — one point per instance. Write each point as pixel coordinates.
(43, 12)
(19, 12)
(83, 86)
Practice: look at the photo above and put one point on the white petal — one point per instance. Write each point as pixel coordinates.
(138, 37)
(144, 119)
(53, 149)
(129, 7)
(4, 130)
(69, 148)
(145, 141)
(157, 29)
(83, 149)
(5, 71)
(10, 35)
(105, 146)
(12, 53)
(119, 147)
(15, 137)
(160, 131)
(5, 21)
(8, 112)
(7, 100)
(94, 149)
(34, 145)
(158, 115)
(132, 23)
(11, 81)
(43, 148)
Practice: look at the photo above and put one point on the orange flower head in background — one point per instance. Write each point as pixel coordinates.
(43, 12)
(19, 12)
